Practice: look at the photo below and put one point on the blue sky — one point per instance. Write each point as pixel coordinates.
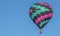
(15, 20)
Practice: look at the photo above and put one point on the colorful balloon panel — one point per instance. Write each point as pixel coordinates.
(40, 13)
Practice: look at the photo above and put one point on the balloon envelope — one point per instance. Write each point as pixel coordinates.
(40, 13)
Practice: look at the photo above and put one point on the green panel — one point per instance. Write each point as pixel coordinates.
(43, 22)
(43, 9)
(36, 6)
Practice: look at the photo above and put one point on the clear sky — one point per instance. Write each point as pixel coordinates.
(15, 20)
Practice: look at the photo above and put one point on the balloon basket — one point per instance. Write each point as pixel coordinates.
(40, 31)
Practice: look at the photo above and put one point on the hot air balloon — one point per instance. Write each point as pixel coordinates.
(40, 13)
